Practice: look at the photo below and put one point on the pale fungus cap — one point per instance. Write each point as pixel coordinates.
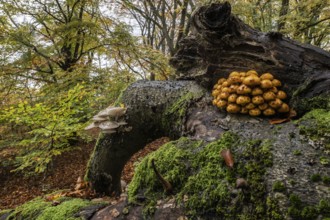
(106, 120)
(112, 112)
(97, 118)
(91, 126)
(106, 125)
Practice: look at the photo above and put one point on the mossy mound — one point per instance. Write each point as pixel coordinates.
(40, 209)
(203, 185)
(316, 125)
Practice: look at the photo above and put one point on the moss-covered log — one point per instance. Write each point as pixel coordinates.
(154, 109)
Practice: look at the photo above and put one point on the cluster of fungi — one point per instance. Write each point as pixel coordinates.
(249, 93)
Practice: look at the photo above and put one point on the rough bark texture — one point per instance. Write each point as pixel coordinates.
(220, 43)
(154, 109)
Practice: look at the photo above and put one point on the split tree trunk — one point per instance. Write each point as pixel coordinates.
(218, 43)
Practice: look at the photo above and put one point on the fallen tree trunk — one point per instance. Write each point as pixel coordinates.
(218, 43)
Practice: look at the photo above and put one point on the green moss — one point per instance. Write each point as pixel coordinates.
(40, 209)
(273, 211)
(178, 109)
(296, 152)
(30, 210)
(316, 177)
(298, 210)
(318, 102)
(278, 186)
(89, 163)
(324, 160)
(170, 163)
(4, 212)
(316, 125)
(324, 207)
(64, 210)
(202, 182)
(326, 180)
(207, 189)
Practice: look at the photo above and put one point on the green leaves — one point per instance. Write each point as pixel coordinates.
(49, 126)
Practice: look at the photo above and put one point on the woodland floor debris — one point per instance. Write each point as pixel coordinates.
(17, 189)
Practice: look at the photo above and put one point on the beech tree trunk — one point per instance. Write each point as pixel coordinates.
(218, 43)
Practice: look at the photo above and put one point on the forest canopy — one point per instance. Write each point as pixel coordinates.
(61, 61)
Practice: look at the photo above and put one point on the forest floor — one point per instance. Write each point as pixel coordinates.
(16, 189)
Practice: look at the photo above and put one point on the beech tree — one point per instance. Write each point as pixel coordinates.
(61, 61)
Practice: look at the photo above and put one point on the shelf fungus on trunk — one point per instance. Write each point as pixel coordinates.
(112, 112)
(109, 120)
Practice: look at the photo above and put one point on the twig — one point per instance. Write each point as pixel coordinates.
(167, 186)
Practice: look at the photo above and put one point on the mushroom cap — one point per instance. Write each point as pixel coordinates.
(120, 123)
(97, 118)
(251, 72)
(263, 106)
(269, 96)
(221, 80)
(112, 112)
(232, 98)
(255, 112)
(221, 103)
(91, 126)
(233, 108)
(109, 131)
(252, 80)
(224, 95)
(281, 94)
(269, 112)
(277, 103)
(284, 108)
(243, 89)
(258, 100)
(257, 91)
(276, 82)
(267, 76)
(266, 84)
(244, 110)
(243, 100)
(108, 125)
(234, 74)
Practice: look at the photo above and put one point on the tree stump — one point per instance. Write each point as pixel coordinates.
(218, 44)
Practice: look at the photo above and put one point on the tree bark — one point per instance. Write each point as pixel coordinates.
(220, 43)
(154, 109)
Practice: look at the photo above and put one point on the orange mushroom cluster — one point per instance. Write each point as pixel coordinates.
(249, 93)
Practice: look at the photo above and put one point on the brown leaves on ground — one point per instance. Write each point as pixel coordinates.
(288, 118)
(128, 171)
(66, 175)
(16, 189)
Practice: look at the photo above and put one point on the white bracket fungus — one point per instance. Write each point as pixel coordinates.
(108, 120)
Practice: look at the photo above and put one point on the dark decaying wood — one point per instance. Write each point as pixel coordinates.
(218, 43)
